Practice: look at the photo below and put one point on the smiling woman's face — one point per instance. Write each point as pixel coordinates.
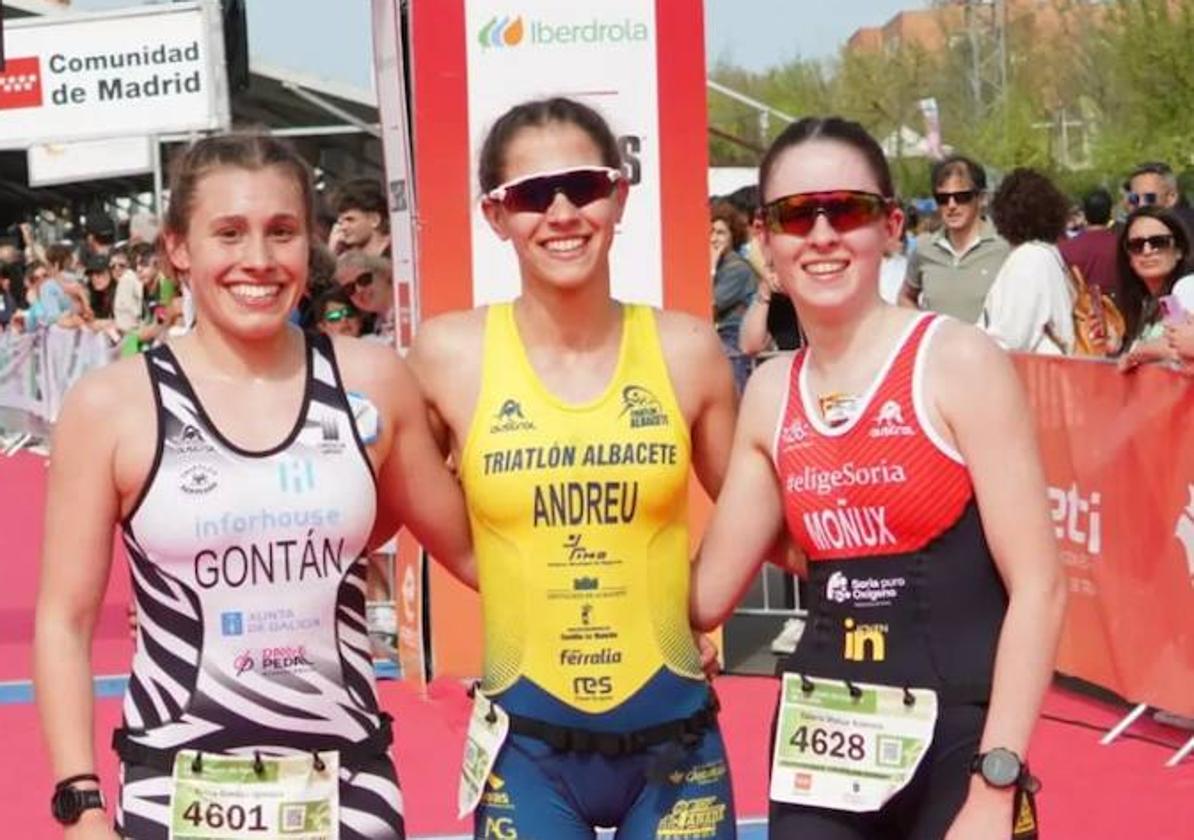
(827, 269)
(565, 245)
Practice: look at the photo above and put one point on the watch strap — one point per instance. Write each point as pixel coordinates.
(69, 803)
(80, 777)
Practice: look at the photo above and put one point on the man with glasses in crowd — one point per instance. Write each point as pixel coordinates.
(951, 270)
(1155, 183)
(367, 280)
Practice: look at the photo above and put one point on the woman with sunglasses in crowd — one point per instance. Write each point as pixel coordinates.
(366, 278)
(898, 449)
(574, 420)
(1154, 253)
(249, 466)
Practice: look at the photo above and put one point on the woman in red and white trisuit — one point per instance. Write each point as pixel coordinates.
(899, 450)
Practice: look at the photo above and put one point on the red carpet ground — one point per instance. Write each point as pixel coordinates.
(1091, 792)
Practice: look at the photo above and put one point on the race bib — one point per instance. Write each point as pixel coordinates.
(487, 730)
(848, 751)
(233, 797)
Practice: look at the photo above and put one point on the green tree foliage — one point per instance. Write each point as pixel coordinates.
(1119, 73)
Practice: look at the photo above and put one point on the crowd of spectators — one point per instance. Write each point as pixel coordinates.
(1038, 272)
(113, 284)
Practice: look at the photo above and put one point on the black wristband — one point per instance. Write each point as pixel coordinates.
(81, 777)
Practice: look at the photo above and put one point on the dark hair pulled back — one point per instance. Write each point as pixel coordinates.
(837, 129)
(536, 114)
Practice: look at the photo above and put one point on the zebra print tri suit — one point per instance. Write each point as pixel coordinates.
(251, 603)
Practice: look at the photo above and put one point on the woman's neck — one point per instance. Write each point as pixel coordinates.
(578, 318)
(1156, 285)
(833, 342)
(230, 357)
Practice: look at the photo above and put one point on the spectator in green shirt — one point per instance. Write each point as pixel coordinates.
(952, 270)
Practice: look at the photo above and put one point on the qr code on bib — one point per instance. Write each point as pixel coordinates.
(891, 752)
(294, 817)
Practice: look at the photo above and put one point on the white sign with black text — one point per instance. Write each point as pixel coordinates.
(143, 71)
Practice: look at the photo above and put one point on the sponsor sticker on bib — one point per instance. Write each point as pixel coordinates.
(848, 750)
(224, 797)
(487, 729)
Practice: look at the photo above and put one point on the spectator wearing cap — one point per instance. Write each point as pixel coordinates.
(1155, 183)
(1093, 251)
(362, 219)
(952, 270)
(101, 235)
(101, 288)
(366, 278)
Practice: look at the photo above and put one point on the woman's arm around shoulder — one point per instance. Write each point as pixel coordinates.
(978, 394)
(748, 519)
(415, 487)
(446, 358)
(704, 386)
(100, 454)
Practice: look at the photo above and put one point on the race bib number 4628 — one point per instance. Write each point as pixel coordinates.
(848, 750)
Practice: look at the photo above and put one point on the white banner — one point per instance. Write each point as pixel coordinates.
(603, 55)
(147, 70)
(87, 160)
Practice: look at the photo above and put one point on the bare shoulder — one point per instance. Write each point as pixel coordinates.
(960, 352)
(107, 393)
(764, 397)
(685, 334)
(449, 337)
(109, 419)
(372, 368)
(770, 378)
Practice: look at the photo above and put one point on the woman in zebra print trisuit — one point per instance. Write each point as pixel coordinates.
(249, 467)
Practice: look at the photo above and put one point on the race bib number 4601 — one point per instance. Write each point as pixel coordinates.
(848, 751)
(233, 797)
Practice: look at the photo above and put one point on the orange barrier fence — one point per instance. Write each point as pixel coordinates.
(1119, 457)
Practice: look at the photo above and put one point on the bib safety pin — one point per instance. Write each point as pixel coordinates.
(318, 762)
(909, 698)
(491, 718)
(855, 691)
(807, 686)
(258, 764)
(197, 763)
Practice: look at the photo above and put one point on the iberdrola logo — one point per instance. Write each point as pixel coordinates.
(502, 32)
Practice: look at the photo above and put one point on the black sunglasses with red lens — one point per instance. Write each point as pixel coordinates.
(845, 210)
(535, 193)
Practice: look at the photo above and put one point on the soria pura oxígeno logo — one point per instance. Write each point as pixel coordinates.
(507, 31)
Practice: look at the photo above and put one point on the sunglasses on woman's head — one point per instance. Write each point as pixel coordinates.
(581, 185)
(959, 197)
(334, 315)
(845, 210)
(1159, 242)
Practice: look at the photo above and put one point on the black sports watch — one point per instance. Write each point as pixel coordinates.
(68, 803)
(1000, 768)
